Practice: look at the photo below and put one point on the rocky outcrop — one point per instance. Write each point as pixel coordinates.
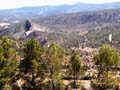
(27, 25)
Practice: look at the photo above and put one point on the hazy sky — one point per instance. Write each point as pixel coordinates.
(8, 4)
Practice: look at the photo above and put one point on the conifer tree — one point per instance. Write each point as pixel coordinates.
(75, 66)
(8, 62)
(106, 59)
(54, 57)
(32, 61)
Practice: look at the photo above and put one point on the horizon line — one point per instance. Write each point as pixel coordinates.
(27, 6)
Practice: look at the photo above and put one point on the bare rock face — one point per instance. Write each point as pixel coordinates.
(33, 30)
(32, 27)
(27, 25)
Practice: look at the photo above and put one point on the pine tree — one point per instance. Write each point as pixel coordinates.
(54, 58)
(75, 66)
(106, 58)
(32, 60)
(8, 62)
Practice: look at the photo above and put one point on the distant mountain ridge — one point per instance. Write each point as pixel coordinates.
(40, 11)
(69, 29)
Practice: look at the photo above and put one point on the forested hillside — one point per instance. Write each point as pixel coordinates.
(70, 29)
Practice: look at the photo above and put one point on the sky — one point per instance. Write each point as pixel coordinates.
(9, 4)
